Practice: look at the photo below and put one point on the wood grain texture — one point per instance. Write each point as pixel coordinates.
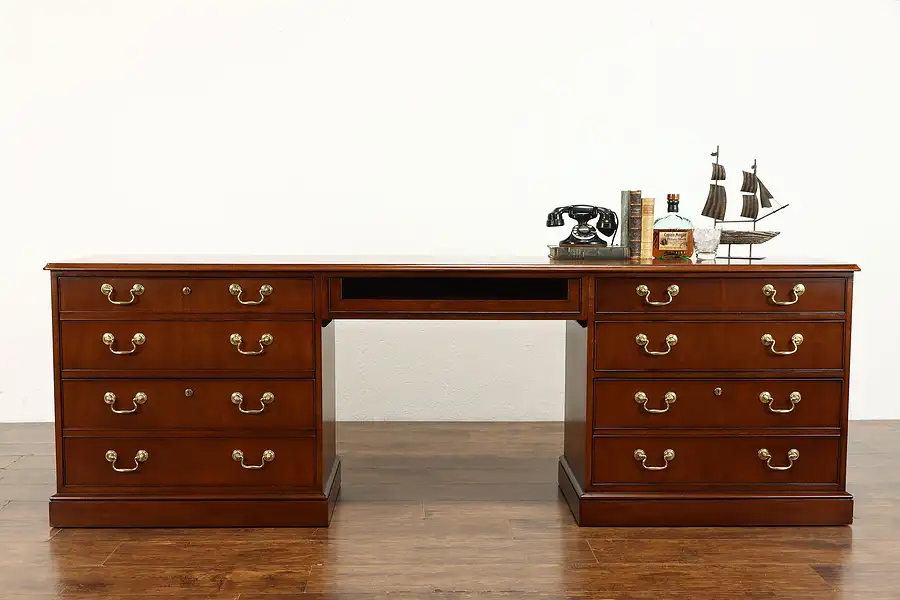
(179, 462)
(327, 449)
(205, 345)
(169, 295)
(191, 405)
(717, 403)
(716, 460)
(250, 263)
(440, 538)
(188, 317)
(721, 345)
(576, 389)
(731, 294)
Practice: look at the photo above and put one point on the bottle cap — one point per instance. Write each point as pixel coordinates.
(673, 197)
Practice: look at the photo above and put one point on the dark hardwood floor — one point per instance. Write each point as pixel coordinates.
(450, 511)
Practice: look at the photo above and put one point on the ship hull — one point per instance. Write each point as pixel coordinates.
(731, 236)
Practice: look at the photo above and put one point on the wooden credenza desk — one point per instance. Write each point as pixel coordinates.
(200, 392)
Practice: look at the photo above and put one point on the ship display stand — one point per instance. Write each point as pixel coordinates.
(716, 203)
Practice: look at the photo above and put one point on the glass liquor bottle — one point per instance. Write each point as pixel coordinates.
(673, 235)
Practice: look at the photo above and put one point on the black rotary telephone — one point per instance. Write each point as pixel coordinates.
(584, 233)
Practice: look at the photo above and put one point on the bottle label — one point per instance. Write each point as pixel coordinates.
(677, 241)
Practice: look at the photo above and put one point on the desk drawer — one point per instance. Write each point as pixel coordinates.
(674, 294)
(715, 460)
(140, 294)
(192, 462)
(187, 345)
(408, 295)
(717, 403)
(718, 345)
(154, 404)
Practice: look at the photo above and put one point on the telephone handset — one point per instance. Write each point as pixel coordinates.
(585, 233)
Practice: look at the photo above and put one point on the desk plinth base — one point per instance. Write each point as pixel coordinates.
(662, 509)
(284, 510)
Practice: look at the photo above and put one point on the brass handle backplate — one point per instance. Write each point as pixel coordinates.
(107, 290)
(769, 341)
(110, 398)
(264, 290)
(644, 292)
(642, 340)
(766, 398)
(793, 454)
(141, 456)
(265, 339)
(266, 398)
(641, 456)
(641, 398)
(267, 456)
(769, 292)
(137, 339)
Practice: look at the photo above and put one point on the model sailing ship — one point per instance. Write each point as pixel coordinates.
(755, 196)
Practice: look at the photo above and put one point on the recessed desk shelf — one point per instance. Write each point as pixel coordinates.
(412, 295)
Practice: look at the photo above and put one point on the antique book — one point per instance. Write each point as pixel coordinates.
(624, 236)
(647, 214)
(634, 223)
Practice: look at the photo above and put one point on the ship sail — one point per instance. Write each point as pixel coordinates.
(765, 196)
(715, 202)
(718, 172)
(749, 185)
(750, 207)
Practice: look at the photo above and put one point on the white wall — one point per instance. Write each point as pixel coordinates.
(434, 127)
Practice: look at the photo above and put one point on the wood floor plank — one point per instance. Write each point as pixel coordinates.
(164, 580)
(34, 461)
(26, 492)
(220, 555)
(44, 446)
(876, 579)
(26, 522)
(7, 460)
(215, 535)
(28, 477)
(77, 594)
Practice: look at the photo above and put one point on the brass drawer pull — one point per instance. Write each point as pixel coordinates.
(137, 339)
(107, 290)
(766, 398)
(266, 398)
(769, 292)
(643, 340)
(264, 290)
(793, 454)
(640, 455)
(110, 399)
(644, 291)
(641, 398)
(768, 340)
(141, 456)
(265, 340)
(267, 456)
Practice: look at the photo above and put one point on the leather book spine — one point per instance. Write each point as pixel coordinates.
(624, 236)
(647, 214)
(634, 223)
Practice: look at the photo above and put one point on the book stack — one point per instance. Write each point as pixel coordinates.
(636, 224)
